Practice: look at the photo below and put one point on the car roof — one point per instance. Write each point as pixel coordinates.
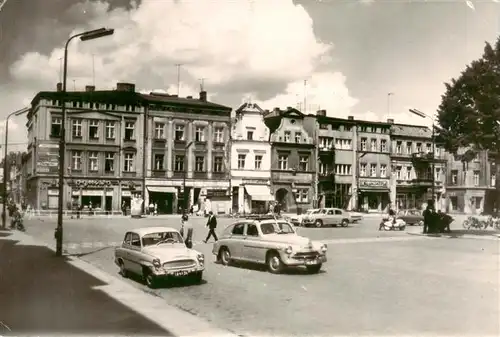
(148, 230)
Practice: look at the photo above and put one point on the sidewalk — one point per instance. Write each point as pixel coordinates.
(457, 234)
(41, 294)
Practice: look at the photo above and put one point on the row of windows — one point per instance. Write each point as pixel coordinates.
(283, 163)
(409, 173)
(348, 128)
(409, 148)
(243, 163)
(180, 133)
(97, 106)
(200, 163)
(476, 175)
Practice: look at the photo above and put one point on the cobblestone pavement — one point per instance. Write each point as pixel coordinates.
(382, 283)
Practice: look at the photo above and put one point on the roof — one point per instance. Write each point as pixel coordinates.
(148, 230)
(413, 131)
(174, 99)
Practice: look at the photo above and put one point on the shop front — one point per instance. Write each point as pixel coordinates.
(373, 195)
(164, 197)
(254, 196)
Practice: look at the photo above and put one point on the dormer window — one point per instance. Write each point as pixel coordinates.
(249, 135)
(288, 135)
(298, 137)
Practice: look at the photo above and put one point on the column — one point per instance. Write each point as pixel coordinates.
(355, 169)
(170, 145)
(241, 199)
(148, 154)
(103, 202)
(210, 143)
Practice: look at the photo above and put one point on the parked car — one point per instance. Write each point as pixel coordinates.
(156, 253)
(298, 220)
(411, 217)
(328, 217)
(271, 242)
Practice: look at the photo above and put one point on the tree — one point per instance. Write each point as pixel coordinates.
(469, 113)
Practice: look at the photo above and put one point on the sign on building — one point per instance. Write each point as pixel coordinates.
(47, 159)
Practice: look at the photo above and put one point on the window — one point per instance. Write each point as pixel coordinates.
(298, 137)
(179, 132)
(241, 161)
(135, 241)
(129, 162)
(288, 135)
(303, 163)
(373, 170)
(159, 162)
(325, 142)
(76, 160)
(343, 144)
(362, 170)
(428, 147)
(110, 130)
(127, 238)
(199, 134)
(93, 161)
(419, 147)
(408, 148)
(323, 168)
(454, 177)
(238, 229)
(347, 128)
(76, 128)
(437, 174)
(199, 164)
(302, 195)
(438, 152)
(373, 145)
(56, 126)
(383, 170)
(219, 135)
(93, 129)
(109, 162)
(399, 148)
(343, 170)
(398, 172)
(252, 230)
(363, 144)
(476, 178)
(383, 145)
(283, 162)
(493, 179)
(179, 163)
(249, 135)
(159, 130)
(218, 164)
(129, 130)
(258, 162)
(409, 170)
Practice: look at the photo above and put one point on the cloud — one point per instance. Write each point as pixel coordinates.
(261, 48)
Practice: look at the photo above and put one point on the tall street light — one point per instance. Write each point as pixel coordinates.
(184, 201)
(5, 164)
(85, 36)
(433, 175)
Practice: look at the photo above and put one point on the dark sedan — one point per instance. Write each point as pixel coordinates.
(411, 217)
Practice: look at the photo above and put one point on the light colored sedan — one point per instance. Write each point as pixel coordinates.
(271, 242)
(158, 252)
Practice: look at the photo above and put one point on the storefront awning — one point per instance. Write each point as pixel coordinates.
(162, 189)
(259, 192)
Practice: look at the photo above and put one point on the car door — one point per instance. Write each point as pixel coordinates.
(135, 256)
(253, 248)
(338, 217)
(326, 217)
(124, 251)
(236, 241)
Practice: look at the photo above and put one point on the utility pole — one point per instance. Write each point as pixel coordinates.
(389, 96)
(179, 65)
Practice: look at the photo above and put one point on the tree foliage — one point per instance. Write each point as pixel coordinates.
(469, 113)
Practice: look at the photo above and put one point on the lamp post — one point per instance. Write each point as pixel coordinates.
(85, 36)
(184, 199)
(5, 165)
(358, 175)
(433, 175)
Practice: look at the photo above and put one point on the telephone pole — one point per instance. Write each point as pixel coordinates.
(179, 65)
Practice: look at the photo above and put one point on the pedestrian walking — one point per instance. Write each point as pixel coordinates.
(186, 231)
(429, 217)
(212, 225)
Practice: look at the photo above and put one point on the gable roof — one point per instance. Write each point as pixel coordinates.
(250, 107)
(412, 131)
(289, 112)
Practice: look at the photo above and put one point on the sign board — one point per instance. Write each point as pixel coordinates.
(373, 184)
(255, 181)
(47, 159)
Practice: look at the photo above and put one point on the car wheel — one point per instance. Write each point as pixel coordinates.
(345, 223)
(123, 270)
(149, 278)
(314, 269)
(197, 277)
(274, 263)
(318, 223)
(224, 256)
(402, 228)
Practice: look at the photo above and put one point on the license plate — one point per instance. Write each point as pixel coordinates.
(311, 262)
(181, 273)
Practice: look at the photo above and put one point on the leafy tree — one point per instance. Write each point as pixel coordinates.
(469, 113)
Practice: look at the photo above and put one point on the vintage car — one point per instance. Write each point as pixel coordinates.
(156, 253)
(271, 242)
(328, 217)
(411, 217)
(308, 213)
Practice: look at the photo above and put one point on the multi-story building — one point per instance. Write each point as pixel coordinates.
(250, 161)
(411, 160)
(293, 158)
(109, 147)
(468, 183)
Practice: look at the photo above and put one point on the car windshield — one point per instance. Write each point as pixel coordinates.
(276, 228)
(152, 239)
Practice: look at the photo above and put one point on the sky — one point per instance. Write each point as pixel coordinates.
(371, 59)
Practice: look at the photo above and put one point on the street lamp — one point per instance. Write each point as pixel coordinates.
(5, 165)
(358, 175)
(85, 36)
(433, 175)
(184, 201)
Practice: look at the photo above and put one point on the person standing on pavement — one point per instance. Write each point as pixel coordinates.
(186, 231)
(212, 225)
(429, 216)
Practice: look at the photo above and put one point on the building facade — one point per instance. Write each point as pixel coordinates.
(293, 158)
(411, 160)
(250, 161)
(108, 146)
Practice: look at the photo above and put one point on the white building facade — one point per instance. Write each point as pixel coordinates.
(250, 161)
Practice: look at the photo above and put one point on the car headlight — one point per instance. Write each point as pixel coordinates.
(324, 248)
(201, 258)
(156, 263)
(289, 250)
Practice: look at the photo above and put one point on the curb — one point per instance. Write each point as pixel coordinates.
(493, 237)
(156, 309)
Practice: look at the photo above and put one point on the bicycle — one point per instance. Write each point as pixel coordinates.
(472, 222)
(492, 222)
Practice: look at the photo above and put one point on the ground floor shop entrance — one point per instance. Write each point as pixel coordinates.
(162, 198)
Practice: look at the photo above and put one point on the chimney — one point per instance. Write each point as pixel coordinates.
(203, 96)
(390, 121)
(130, 87)
(351, 118)
(90, 88)
(321, 113)
(59, 87)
